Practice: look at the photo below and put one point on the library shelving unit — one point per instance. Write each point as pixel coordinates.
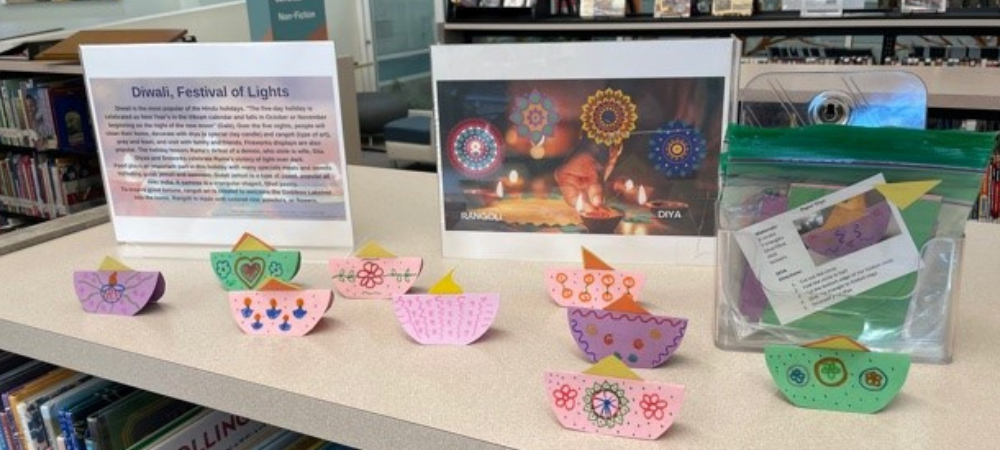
(359, 380)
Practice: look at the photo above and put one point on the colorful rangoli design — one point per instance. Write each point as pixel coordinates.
(535, 118)
(475, 148)
(677, 149)
(608, 118)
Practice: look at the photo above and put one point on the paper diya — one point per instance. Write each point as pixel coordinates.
(851, 226)
(611, 399)
(446, 315)
(114, 288)
(837, 374)
(279, 308)
(251, 262)
(626, 330)
(595, 286)
(373, 272)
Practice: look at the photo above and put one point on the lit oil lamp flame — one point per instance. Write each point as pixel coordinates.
(513, 177)
(579, 203)
(642, 195)
(113, 278)
(499, 189)
(629, 185)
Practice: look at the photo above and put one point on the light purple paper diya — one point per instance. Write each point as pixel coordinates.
(279, 309)
(626, 330)
(446, 315)
(842, 239)
(117, 289)
(374, 273)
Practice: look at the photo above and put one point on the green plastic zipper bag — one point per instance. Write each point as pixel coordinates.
(836, 230)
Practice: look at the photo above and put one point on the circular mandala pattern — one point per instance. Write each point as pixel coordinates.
(798, 376)
(873, 379)
(609, 117)
(605, 404)
(677, 149)
(830, 371)
(535, 116)
(474, 148)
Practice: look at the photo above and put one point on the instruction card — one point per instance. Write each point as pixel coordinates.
(200, 143)
(826, 251)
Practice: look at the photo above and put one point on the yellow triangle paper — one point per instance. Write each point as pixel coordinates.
(838, 343)
(626, 304)
(249, 242)
(274, 284)
(611, 366)
(592, 262)
(446, 286)
(373, 250)
(904, 194)
(113, 265)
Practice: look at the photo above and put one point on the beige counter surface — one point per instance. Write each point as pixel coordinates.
(359, 380)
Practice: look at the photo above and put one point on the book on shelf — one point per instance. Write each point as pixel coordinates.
(49, 185)
(45, 113)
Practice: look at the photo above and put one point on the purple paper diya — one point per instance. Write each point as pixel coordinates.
(855, 235)
(117, 289)
(626, 330)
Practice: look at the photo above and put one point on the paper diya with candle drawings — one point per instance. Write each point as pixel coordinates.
(611, 399)
(837, 374)
(629, 332)
(446, 315)
(279, 309)
(595, 286)
(115, 288)
(373, 272)
(251, 262)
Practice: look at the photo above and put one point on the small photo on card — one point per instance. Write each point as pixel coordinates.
(847, 227)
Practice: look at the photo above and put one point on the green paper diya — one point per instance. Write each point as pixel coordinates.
(837, 374)
(251, 262)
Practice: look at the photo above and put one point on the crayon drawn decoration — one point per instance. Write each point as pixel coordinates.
(279, 309)
(115, 288)
(446, 315)
(374, 273)
(595, 286)
(627, 331)
(251, 262)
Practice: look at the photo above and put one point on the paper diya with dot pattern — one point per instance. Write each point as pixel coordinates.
(475, 148)
(677, 149)
(535, 118)
(837, 374)
(251, 262)
(611, 399)
(115, 288)
(595, 286)
(373, 272)
(446, 315)
(608, 118)
(279, 308)
(626, 330)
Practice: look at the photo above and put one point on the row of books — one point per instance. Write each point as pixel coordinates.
(46, 407)
(987, 208)
(45, 113)
(49, 185)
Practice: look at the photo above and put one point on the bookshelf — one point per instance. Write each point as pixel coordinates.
(360, 381)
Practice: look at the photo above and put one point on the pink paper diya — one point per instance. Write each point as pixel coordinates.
(279, 309)
(844, 238)
(373, 273)
(117, 289)
(595, 286)
(446, 315)
(626, 330)
(611, 399)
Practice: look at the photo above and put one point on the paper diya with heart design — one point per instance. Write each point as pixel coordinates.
(626, 330)
(373, 272)
(446, 315)
(115, 288)
(611, 399)
(279, 309)
(837, 374)
(596, 286)
(251, 262)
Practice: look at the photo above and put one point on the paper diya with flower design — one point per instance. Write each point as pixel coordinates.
(535, 118)
(611, 399)
(837, 374)
(373, 272)
(596, 286)
(251, 262)
(279, 309)
(115, 288)
(626, 330)
(609, 117)
(475, 148)
(446, 315)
